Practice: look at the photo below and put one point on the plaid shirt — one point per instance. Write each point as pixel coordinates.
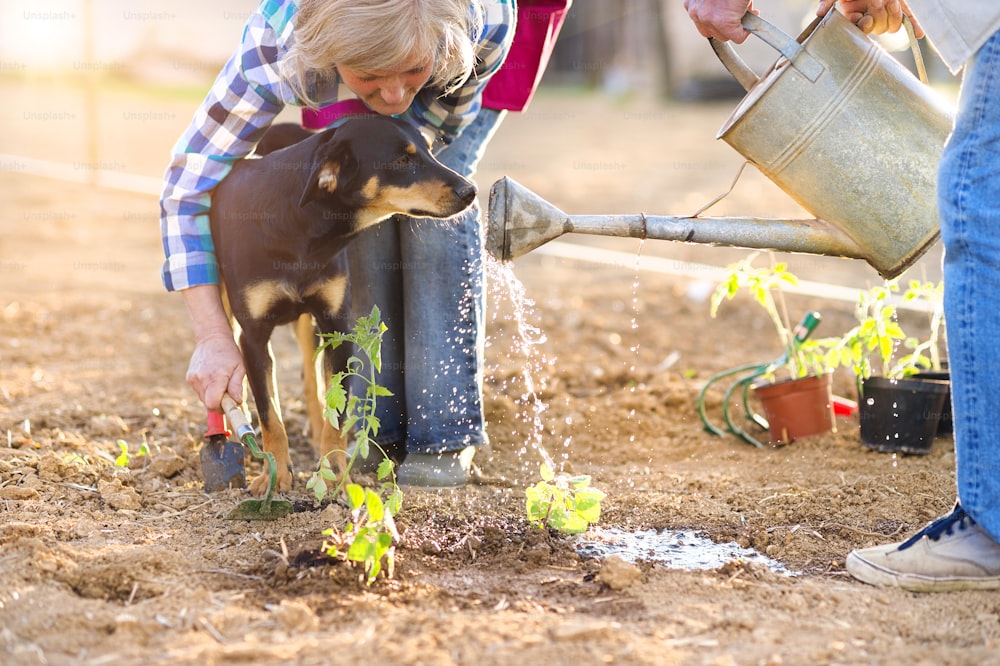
(245, 98)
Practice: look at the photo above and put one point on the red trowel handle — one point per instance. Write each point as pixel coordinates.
(216, 425)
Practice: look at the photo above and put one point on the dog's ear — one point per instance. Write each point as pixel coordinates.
(323, 177)
(333, 165)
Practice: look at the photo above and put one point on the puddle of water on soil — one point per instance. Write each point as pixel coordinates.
(677, 549)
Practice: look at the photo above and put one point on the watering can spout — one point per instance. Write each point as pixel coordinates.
(520, 221)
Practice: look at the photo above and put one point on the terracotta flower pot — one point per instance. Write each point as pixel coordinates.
(901, 415)
(797, 408)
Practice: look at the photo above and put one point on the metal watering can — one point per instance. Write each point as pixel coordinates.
(836, 122)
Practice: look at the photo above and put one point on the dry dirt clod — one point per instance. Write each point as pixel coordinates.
(618, 574)
(118, 496)
(18, 493)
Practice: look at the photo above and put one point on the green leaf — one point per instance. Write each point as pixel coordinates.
(376, 511)
(318, 486)
(348, 424)
(557, 516)
(588, 505)
(371, 424)
(361, 446)
(572, 524)
(383, 542)
(122, 459)
(395, 502)
(355, 496)
(384, 469)
(536, 504)
(336, 395)
(361, 549)
(546, 472)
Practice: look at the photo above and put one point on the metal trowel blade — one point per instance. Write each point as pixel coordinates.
(222, 464)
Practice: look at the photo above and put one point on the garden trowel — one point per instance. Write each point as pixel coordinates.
(222, 460)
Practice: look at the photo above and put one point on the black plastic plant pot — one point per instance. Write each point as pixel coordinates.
(945, 427)
(901, 415)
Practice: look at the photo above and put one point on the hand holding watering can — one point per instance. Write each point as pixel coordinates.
(874, 17)
(721, 19)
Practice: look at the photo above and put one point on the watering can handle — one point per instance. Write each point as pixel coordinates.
(804, 63)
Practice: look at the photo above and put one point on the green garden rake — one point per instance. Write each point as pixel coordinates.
(746, 374)
(255, 509)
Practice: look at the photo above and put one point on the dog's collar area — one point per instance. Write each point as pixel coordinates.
(335, 114)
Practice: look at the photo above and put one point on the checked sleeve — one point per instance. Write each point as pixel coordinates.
(242, 103)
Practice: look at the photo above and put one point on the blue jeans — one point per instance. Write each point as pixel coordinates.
(426, 276)
(969, 199)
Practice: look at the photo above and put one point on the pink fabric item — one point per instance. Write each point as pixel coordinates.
(317, 119)
(538, 25)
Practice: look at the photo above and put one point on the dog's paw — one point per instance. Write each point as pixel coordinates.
(258, 486)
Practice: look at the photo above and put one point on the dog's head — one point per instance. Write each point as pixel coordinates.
(379, 166)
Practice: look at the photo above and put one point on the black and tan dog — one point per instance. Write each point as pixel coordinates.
(280, 223)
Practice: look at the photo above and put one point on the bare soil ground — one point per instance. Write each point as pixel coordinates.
(136, 565)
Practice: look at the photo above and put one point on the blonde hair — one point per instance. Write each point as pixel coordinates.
(375, 35)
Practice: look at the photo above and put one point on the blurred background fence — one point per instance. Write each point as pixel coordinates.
(616, 46)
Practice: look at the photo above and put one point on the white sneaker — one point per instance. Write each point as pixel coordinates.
(951, 553)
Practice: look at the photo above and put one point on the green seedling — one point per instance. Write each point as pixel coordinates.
(75, 459)
(765, 286)
(124, 458)
(353, 412)
(927, 354)
(870, 347)
(370, 536)
(563, 502)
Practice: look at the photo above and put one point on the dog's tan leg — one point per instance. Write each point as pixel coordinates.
(272, 429)
(327, 440)
(313, 383)
(276, 443)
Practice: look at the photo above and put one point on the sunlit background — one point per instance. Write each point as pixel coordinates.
(98, 91)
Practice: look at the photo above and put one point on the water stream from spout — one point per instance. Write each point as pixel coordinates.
(525, 344)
